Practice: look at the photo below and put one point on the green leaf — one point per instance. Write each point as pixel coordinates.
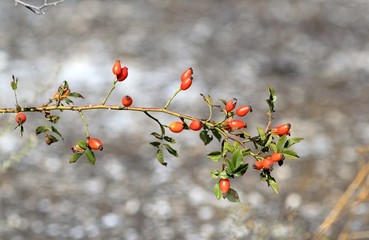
(14, 83)
(157, 135)
(75, 95)
(223, 174)
(205, 137)
(41, 129)
(281, 143)
(233, 196)
(274, 185)
(214, 174)
(156, 144)
(68, 101)
(290, 154)
(53, 119)
(82, 144)
(215, 156)
(273, 147)
(241, 170)
(216, 134)
(160, 157)
(272, 98)
(90, 156)
(207, 99)
(169, 139)
(75, 157)
(54, 130)
(227, 148)
(223, 101)
(292, 141)
(217, 192)
(50, 139)
(237, 158)
(261, 133)
(171, 150)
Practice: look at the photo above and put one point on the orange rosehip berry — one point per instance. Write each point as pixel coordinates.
(224, 185)
(176, 127)
(186, 84)
(258, 165)
(268, 163)
(283, 129)
(236, 124)
(95, 144)
(20, 118)
(127, 101)
(123, 75)
(117, 68)
(230, 105)
(276, 157)
(243, 110)
(186, 74)
(196, 125)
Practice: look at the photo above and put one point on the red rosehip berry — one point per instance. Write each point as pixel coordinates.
(176, 127)
(258, 165)
(230, 105)
(186, 84)
(20, 118)
(196, 125)
(95, 144)
(268, 163)
(236, 124)
(224, 185)
(117, 68)
(276, 157)
(123, 75)
(127, 101)
(186, 74)
(283, 129)
(243, 110)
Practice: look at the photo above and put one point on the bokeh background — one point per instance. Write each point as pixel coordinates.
(314, 53)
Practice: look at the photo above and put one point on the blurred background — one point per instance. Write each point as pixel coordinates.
(314, 53)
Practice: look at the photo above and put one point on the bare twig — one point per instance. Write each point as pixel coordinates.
(38, 9)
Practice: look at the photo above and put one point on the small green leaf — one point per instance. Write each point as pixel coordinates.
(223, 174)
(68, 101)
(273, 147)
(290, 154)
(205, 137)
(281, 143)
(90, 156)
(171, 150)
(50, 139)
(274, 185)
(157, 135)
(272, 98)
(75, 157)
(232, 195)
(217, 192)
(53, 119)
(237, 158)
(241, 170)
(292, 141)
(215, 156)
(41, 129)
(261, 133)
(216, 134)
(214, 174)
(54, 130)
(160, 157)
(227, 148)
(82, 144)
(75, 94)
(169, 139)
(156, 144)
(223, 101)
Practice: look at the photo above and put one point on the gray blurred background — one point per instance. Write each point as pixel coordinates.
(314, 53)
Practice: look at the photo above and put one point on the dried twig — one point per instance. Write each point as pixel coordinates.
(38, 9)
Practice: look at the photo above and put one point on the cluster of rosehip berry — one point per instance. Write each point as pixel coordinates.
(271, 144)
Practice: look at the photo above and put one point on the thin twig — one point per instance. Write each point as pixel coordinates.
(38, 9)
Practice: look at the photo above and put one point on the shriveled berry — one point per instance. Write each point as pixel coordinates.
(127, 101)
(95, 144)
(176, 127)
(117, 68)
(236, 124)
(224, 185)
(230, 105)
(243, 110)
(123, 75)
(20, 118)
(186, 74)
(186, 84)
(283, 129)
(196, 125)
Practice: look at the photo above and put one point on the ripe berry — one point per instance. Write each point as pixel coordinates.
(283, 129)
(236, 124)
(117, 68)
(268, 163)
(20, 118)
(243, 110)
(127, 101)
(230, 105)
(63, 96)
(258, 165)
(95, 144)
(196, 125)
(176, 127)
(276, 157)
(186, 74)
(123, 75)
(186, 84)
(224, 185)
